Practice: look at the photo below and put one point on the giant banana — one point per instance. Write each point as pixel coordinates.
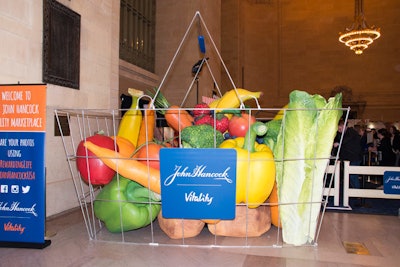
(234, 97)
(214, 103)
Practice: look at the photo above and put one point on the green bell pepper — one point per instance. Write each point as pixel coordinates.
(124, 205)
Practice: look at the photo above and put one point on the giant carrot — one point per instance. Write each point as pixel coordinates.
(146, 132)
(129, 168)
(125, 147)
(273, 200)
(178, 118)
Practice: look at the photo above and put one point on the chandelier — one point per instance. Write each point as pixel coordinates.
(359, 35)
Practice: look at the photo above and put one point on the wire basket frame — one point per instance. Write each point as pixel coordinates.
(84, 123)
(203, 62)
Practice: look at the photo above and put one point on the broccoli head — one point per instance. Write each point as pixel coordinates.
(201, 136)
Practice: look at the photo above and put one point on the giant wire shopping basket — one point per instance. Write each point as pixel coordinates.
(84, 123)
(300, 143)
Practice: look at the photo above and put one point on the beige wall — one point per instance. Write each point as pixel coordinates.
(21, 61)
(279, 46)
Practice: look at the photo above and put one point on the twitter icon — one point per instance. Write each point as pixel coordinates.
(25, 189)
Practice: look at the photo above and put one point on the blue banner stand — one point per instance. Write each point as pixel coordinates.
(22, 166)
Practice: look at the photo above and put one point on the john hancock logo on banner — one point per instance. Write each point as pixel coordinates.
(198, 183)
(391, 182)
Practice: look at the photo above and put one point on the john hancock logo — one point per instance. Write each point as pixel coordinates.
(15, 207)
(198, 172)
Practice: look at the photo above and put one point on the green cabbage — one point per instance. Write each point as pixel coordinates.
(302, 153)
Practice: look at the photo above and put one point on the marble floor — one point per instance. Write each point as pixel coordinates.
(71, 246)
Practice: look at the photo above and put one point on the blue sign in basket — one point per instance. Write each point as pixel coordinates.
(391, 182)
(198, 183)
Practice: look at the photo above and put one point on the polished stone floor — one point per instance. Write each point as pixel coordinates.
(71, 246)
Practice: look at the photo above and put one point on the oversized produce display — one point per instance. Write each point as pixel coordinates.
(286, 156)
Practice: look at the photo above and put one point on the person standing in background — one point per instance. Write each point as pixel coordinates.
(395, 142)
(363, 143)
(350, 149)
(388, 157)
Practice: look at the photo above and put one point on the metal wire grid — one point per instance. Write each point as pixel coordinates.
(84, 123)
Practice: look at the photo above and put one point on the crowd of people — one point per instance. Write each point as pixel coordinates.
(363, 146)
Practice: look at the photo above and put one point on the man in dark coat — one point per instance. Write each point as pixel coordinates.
(350, 149)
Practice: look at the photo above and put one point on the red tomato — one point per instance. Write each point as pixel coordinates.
(91, 167)
(150, 154)
(239, 125)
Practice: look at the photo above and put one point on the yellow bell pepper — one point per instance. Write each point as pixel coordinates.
(255, 169)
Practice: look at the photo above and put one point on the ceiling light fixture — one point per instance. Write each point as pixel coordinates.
(359, 35)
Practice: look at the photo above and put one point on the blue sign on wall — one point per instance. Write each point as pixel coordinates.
(198, 183)
(391, 182)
